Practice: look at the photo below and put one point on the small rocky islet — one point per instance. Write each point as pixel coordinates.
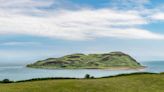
(112, 60)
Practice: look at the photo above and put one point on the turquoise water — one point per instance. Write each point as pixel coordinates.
(22, 73)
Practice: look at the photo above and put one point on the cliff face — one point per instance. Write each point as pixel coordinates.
(73, 61)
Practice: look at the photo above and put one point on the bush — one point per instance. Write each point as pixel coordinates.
(6, 81)
(87, 76)
(92, 77)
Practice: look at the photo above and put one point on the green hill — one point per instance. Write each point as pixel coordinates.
(90, 61)
(127, 83)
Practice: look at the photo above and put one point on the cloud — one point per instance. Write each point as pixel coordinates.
(158, 16)
(131, 33)
(129, 4)
(24, 4)
(22, 17)
(19, 43)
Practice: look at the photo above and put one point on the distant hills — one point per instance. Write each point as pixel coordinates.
(112, 60)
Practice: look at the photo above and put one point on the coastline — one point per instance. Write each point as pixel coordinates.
(101, 68)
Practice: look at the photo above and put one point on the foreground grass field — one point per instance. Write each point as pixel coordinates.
(127, 83)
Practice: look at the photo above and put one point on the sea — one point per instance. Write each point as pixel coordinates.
(16, 73)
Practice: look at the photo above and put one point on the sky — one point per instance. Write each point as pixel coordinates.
(31, 30)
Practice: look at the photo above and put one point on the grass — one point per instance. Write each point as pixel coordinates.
(143, 82)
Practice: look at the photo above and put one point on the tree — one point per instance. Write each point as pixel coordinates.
(6, 81)
(87, 76)
(92, 77)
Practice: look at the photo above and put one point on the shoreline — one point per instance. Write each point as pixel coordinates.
(103, 68)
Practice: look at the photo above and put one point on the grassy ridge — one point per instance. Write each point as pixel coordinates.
(101, 61)
(122, 83)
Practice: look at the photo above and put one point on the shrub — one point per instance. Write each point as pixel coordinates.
(6, 81)
(92, 77)
(87, 76)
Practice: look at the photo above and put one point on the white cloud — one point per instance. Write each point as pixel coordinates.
(131, 33)
(158, 16)
(12, 43)
(79, 24)
(129, 4)
(22, 4)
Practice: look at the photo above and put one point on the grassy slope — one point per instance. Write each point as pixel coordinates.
(130, 83)
(107, 60)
